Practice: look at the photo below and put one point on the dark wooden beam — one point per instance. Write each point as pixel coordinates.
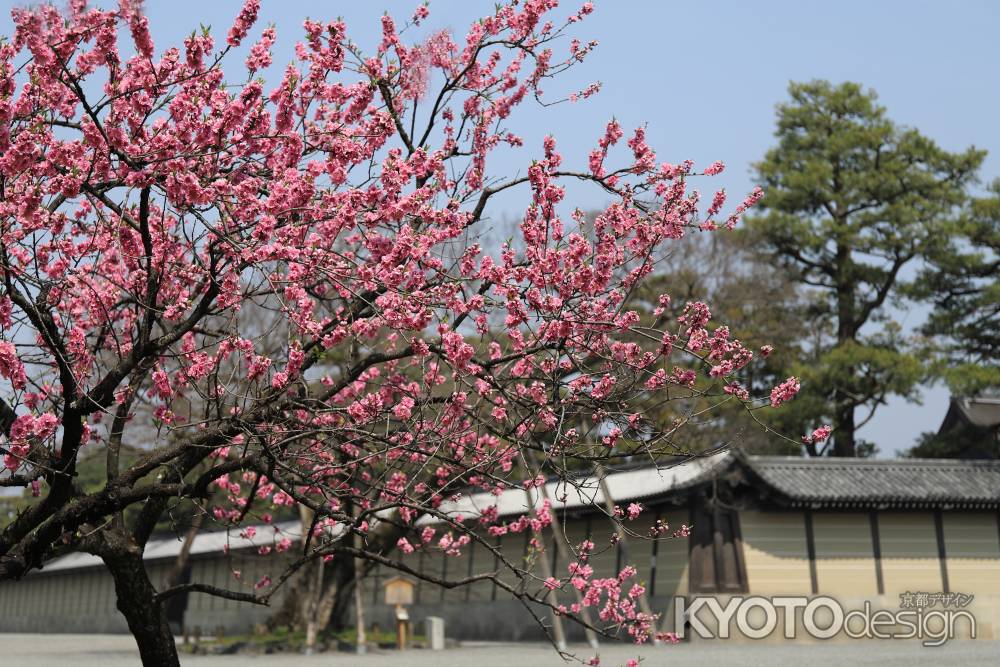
(811, 550)
(942, 554)
(877, 551)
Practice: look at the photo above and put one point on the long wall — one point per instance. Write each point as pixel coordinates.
(847, 563)
(83, 600)
(79, 601)
(877, 557)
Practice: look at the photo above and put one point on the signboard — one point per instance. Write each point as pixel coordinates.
(398, 591)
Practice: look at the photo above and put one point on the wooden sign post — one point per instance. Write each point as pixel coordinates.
(399, 592)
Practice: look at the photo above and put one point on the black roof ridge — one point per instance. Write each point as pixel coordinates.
(979, 399)
(902, 463)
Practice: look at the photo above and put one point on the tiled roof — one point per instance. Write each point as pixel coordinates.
(874, 483)
(624, 485)
(983, 411)
(206, 542)
(797, 482)
(791, 481)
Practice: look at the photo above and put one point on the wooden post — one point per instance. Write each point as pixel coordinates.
(312, 604)
(609, 504)
(401, 622)
(557, 626)
(561, 542)
(359, 607)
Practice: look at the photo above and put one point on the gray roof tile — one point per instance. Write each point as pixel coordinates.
(898, 483)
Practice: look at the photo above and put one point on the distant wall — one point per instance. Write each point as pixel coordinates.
(775, 550)
(66, 601)
(83, 600)
(845, 554)
(918, 551)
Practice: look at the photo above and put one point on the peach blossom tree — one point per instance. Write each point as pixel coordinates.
(287, 295)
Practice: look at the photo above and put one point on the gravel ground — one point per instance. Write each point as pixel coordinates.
(118, 650)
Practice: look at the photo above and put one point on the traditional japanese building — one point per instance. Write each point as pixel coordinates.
(857, 530)
(972, 423)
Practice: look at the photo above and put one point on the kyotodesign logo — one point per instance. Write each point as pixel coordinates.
(823, 617)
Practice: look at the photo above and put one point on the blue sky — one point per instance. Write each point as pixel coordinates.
(705, 77)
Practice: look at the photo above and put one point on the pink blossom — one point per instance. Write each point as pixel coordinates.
(737, 390)
(818, 435)
(161, 385)
(280, 380)
(258, 367)
(260, 53)
(784, 391)
(421, 13)
(10, 366)
(714, 168)
(244, 21)
(139, 25)
(751, 200)
(404, 408)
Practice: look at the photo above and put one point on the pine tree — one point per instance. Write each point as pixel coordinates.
(961, 282)
(851, 199)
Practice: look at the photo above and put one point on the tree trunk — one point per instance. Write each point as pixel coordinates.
(847, 330)
(180, 573)
(147, 620)
(343, 599)
(312, 609)
(843, 427)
